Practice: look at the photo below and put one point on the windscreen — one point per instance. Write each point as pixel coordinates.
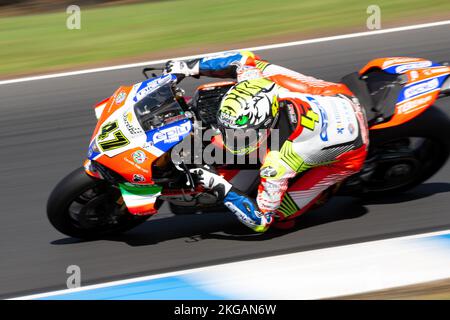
(157, 107)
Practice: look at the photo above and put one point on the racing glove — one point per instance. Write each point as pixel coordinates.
(212, 181)
(245, 209)
(187, 68)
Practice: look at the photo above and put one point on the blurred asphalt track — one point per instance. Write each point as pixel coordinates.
(45, 127)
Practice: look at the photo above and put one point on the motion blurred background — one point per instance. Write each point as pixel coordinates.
(34, 37)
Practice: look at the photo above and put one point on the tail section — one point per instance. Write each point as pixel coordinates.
(397, 89)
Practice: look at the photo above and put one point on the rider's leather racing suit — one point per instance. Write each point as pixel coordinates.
(328, 141)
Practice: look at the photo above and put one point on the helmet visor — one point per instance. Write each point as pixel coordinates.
(243, 141)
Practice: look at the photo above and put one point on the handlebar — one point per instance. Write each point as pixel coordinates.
(179, 76)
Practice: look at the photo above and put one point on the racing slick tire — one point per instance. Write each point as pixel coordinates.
(415, 164)
(81, 206)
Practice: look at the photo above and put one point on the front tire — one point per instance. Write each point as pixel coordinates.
(81, 206)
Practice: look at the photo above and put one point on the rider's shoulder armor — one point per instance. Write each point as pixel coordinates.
(326, 127)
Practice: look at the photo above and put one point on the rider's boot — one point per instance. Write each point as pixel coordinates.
(246, 210)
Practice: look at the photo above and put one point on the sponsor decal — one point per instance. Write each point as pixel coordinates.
(411, 66)
(323, 118)
(420, 88)
(173, 134)
(127, 119)
(227, 119)
(339, 124)
(149, 86)
(219, 56)
(410, 106)
(292, 114)
(437, 70)
(166, 137)
(120, 97)
(272, 187)
(392, 61)
(138, 178)
(135, 165)
(129, 116)
(248, 73)
(241, 215)
(139, 157)
(268, 172)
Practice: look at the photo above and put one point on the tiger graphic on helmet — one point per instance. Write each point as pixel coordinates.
(250, 104)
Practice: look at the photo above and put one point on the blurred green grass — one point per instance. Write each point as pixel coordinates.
(36, 43)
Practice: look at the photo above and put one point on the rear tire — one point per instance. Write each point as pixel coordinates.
(433, 128)
(99, 214)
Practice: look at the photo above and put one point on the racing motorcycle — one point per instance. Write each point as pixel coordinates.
(130, 171)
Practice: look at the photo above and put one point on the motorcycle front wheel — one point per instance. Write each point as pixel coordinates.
(81, 206)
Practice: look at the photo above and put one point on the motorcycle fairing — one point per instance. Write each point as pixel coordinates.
(107, 107)
(143, 88)
(424, 79)
(99, 107)
(119, 141)
(397, 65)
(140, 200)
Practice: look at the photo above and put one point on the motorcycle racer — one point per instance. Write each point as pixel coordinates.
(326, 139)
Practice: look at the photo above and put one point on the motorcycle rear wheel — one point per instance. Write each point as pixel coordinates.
(422, 147)
(81, 206)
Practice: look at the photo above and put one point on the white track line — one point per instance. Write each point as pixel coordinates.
(260, 48)
(209, 268)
